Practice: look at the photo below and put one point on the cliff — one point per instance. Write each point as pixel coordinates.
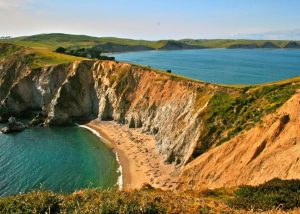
(192, 121)
(129, 94)
(269, 150)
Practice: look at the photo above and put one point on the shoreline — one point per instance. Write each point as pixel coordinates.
(140, 163)
(120, 169)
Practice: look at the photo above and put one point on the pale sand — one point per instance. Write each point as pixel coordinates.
(141, 163)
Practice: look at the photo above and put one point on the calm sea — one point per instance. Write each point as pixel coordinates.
(225, 66)
(59, 159)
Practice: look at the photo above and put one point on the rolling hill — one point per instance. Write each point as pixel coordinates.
(112, 44)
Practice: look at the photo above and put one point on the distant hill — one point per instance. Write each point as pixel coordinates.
(112, 44)
(292, 45)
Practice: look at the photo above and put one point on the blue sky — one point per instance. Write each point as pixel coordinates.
(154, 19)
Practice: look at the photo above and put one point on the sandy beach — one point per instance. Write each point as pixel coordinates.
(141, 163)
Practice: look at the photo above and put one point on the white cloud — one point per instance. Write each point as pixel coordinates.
(10, 4)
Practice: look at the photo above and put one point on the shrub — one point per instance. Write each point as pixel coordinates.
(60, 50)
(276, 193)
(103, 201)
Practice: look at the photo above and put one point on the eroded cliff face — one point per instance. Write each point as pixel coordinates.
(160, 104)
(269, 150)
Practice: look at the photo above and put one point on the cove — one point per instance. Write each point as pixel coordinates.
(61, 159)
(223, 66)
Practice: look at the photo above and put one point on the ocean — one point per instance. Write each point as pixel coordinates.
(222, 66)
(61, 159)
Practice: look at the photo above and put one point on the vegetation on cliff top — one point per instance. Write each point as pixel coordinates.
(35, 57)
(231, 111)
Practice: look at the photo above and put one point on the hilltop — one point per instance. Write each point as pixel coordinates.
(111, 44)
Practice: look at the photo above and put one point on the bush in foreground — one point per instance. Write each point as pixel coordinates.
(106, 201)
(274, 194)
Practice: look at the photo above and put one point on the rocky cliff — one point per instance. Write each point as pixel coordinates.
(161, 104)
(269, 150)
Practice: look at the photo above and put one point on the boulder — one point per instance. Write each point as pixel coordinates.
(13, 126)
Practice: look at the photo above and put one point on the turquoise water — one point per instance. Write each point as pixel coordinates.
(59, 159)
(227, 66)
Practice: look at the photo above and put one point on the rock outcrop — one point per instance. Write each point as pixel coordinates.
(13, 126)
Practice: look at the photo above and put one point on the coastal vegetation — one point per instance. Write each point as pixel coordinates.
(274, 195)
(35, 57)
(106, 201)
(91, 53)
(230, 112)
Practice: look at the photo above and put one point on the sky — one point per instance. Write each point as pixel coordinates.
(153, 19)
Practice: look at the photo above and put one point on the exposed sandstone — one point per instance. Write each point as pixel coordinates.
(268, 150)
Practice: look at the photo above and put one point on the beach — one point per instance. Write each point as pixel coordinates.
(140, 161)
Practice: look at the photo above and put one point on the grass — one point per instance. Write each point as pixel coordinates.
(273, 195)
(39, 57)
(105, 201)
(55, 40)
(35, 57)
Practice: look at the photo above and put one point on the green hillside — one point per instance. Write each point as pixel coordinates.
(35, 57)
(112, 44)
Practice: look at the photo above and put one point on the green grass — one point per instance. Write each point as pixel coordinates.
(35, 57)
(43, 57)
